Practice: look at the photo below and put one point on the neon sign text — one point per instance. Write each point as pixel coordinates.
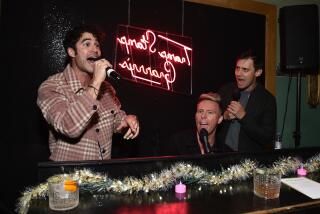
(186, 49)
(169, 76)
(142, 44)
(151, 58)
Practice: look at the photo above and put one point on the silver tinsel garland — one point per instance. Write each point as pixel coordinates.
(97, 183)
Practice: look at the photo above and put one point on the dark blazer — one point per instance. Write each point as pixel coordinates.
(185, 143)
(258, 126)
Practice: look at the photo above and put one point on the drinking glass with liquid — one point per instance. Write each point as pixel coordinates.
(266, 183)
(63, 193)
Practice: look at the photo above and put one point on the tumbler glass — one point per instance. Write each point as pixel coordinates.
(63, 194)
(266, 183)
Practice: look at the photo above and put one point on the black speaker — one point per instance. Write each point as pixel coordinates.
(299, 39)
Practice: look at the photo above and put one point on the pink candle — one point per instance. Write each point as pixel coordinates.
(180, 188)
(301, 171)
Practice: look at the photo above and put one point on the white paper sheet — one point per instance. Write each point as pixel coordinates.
(304, 185)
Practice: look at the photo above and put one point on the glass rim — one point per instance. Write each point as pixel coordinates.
(266, 171)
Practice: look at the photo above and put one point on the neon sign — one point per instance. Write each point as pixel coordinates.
(154, 58)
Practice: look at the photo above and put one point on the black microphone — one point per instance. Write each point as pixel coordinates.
(204, 139)
(111, 73)
(236, 94)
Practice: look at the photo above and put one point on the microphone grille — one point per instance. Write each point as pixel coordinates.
(203, 132)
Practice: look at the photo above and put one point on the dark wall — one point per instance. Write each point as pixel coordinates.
(32, 33)
(218, 34)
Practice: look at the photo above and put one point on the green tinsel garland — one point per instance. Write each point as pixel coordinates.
(97, 183)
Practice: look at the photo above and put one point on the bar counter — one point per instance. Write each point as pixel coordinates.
(234, 197)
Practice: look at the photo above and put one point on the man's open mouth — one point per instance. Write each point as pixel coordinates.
(93, 59)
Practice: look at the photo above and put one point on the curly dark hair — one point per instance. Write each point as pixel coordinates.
(73, 36)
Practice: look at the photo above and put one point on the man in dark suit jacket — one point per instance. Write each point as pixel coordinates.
(249, 109)
(208, 116)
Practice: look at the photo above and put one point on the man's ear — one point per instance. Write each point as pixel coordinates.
(71, 52)
(258, 72)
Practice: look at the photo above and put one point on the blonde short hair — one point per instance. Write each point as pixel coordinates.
(211, 96)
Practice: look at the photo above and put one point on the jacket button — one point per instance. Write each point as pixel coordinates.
(112, 111)
(94, 107)
(97, 130)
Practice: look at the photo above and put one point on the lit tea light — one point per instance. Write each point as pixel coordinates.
(302, 171)
(180, 188)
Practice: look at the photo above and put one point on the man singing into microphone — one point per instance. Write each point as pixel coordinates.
(200, 140)
(249, 109)
(80, 105)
